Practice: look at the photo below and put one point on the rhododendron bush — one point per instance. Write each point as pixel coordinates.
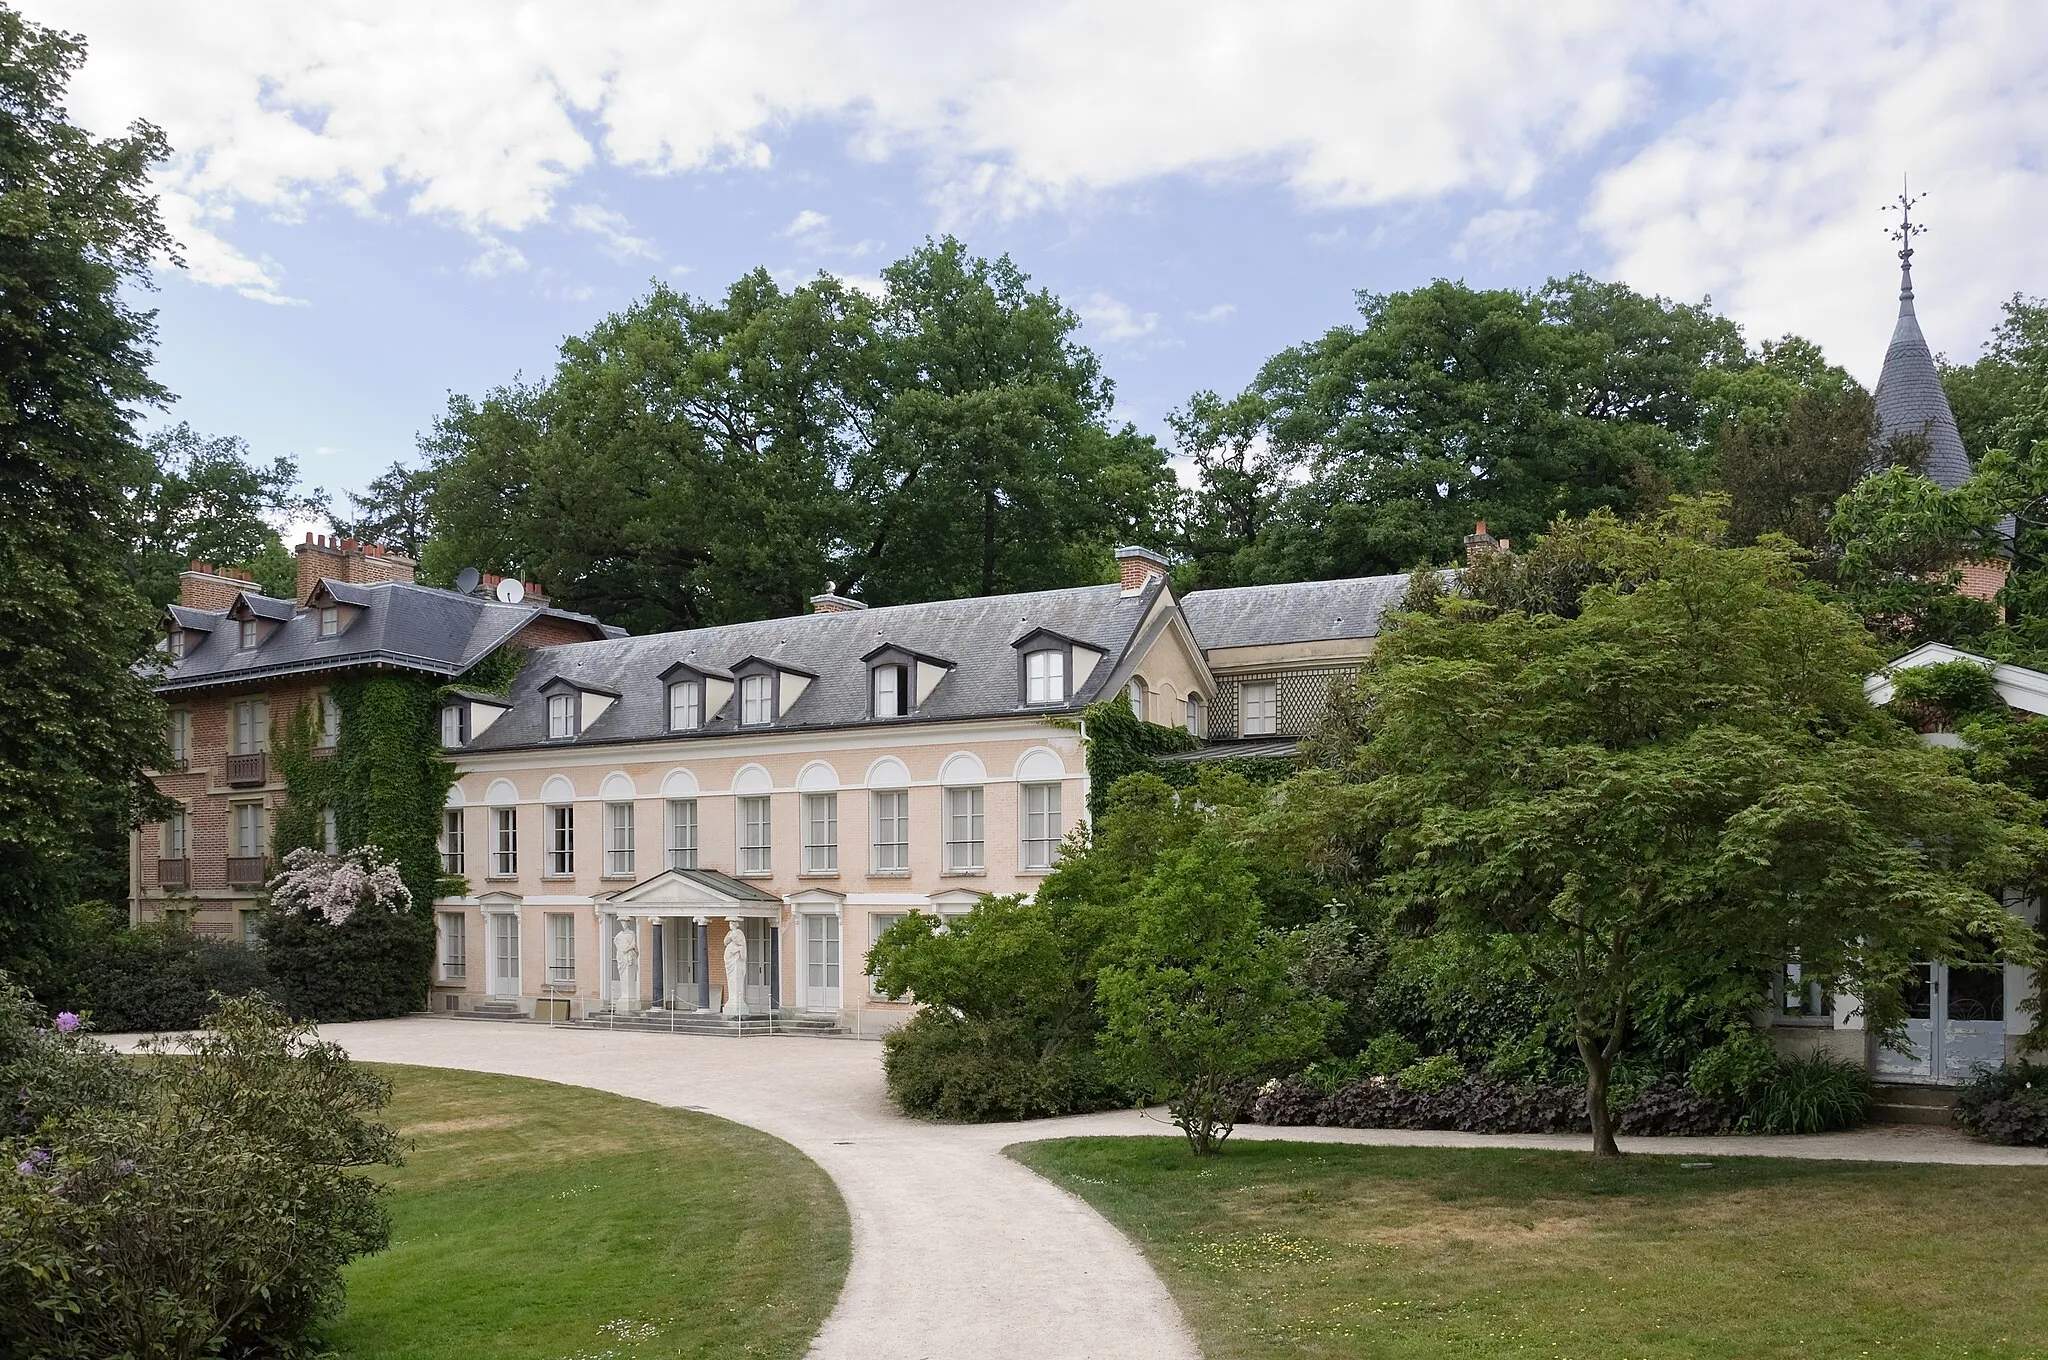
(344, 938)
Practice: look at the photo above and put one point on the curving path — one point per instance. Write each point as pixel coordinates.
(957, 1250)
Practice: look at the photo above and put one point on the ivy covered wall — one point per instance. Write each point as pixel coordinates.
(1120, 743)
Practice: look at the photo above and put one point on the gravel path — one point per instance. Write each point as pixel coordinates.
(957, 1250)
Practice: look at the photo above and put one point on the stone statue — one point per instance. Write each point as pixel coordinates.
(735, 967)
(626, 950)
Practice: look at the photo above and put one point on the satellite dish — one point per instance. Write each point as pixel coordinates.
(467, 580)
(510, 591)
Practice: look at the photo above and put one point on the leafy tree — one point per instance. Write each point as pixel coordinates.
(1901, 539)
(342, 938)
(209, 500)
(1680, 782)
(395, 509)
(2006, 381)
(1448, 405)
(79, 228)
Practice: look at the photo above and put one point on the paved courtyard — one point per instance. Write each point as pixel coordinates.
(957, 1250)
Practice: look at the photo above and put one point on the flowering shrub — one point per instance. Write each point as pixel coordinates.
(342, 938)
(334, 888)
(201, 1206)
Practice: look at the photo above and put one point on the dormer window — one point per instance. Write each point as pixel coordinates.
(330, 621)
(891, 685)
(757, 700)
(1045, 677)
(685, 706)
(454, 725)
(248, 633)
(561, 716)
(174, 643)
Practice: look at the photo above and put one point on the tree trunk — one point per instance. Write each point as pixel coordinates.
(1599, 1067)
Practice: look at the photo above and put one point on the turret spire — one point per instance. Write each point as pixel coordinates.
(1910, 400)
(1904, 234)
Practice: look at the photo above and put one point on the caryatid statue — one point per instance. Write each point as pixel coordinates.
(626, 951)
(735, 967)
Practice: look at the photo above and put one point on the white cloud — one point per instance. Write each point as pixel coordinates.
(1220, 312)
(808, 225)
(1115, 322)
(613, 230)
(495, 259)
(1502, 234)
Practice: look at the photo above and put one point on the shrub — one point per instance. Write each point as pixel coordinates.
(2007, 1104)
(159, 976)
(203, 1206)
(342, 940)
(1472, 1104)
(1737, 1071)
(1670, 1105)
(1816, 1094)
(1388, 1054)
(944, 1066)
(1431, 1074)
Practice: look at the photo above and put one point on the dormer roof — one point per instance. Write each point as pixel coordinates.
(250, 605)
(193, 620)
(691, 670)
(557, 684)
(896, 649)
(330, 591)
(1042, 634)
(767, 663)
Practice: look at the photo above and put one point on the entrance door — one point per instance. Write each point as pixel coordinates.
(760, 998)
(504, 954)
(679, 963)
(1955, 1025)
(821, 962)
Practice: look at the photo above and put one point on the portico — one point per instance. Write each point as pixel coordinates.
(665, 944)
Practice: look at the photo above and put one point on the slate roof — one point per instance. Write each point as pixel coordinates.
(416, 627)
(973, 634)
(1909, 396)
(1305, 611)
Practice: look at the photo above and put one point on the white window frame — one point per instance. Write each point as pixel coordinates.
(174, 643)
(1045, 676)
(889, 831)
(558, 826)
(1258, 708)
(1198, 722)
(685, 706)
(180, 736)
(878, 924)
(330, 720)
(755, 823)
(1135, 693)
(682, 833)
(177, 834)
(561, 717)
(249, 727)
(504, 842)
(618, 840)
(454, 945)
(821, 833)
(1039, 815)
(558, 938)
(454, 725)
(966, 831)
(248, 635)
(452, 841)
(330, 621)
(330, 831)
(757, 700)
(245, 829)
(889, 690)
(504, 946)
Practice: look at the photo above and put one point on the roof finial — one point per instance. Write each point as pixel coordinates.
(1904, 234)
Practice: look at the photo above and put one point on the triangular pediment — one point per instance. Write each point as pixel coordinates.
(694, 892)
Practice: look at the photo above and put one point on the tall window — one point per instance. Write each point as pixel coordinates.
(757, 700)
(248, 633)
(561, 715)
(504, 842)
(892, 691)
(451, 841)
(454, 946)
(878, 925)
(685, 706)
(682, 833)
(1258, 709)
(892, 830)
(754, 847)
(561, 833)
(330, 720)
(175, 644)
(330, 831)
(504, 951)
(1045, 677)
(963, 831)
(1041, 825)
(177, 831)
(454, 725)
(181, 737)
(618, 840)
(252, 929)
(251, 731)
(330, 621)
(821, 833)
(561, 941)
(1135, 694)
(1197, 722)
(248, 830)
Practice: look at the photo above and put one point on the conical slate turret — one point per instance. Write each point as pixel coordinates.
(1909, 396)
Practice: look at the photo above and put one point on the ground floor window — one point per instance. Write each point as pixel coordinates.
(561, 949)
(454, 946)
(878, 925)
(252, 933)
(821, 959)
(504, 952)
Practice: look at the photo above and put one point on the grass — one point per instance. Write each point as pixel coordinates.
(1312, 1250)
(553, 1222)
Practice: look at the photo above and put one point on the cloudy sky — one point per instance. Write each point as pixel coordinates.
(382, 201)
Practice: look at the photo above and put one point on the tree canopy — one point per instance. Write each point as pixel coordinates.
(209, 499)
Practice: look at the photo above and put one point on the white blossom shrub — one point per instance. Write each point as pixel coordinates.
(333, 888)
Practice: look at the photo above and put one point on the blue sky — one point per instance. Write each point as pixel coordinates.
(381, 203)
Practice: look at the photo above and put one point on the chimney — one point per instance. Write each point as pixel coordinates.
(1480, 543)
(344, 559)
(207, 587)
(828, 603)
(1135, 566)
(532, 593)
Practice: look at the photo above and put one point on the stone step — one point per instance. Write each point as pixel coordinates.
(1910, 1103)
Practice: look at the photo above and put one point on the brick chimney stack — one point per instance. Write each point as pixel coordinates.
(828, 603)
(1480, 543)
(344, 559)
(1136, 566)
(205, 586)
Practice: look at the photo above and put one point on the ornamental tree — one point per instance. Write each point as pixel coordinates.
(342, 939)
(1682, 780)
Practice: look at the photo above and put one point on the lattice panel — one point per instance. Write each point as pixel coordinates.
(1301, 698)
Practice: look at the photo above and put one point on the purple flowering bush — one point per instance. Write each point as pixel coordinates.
(200, 1204)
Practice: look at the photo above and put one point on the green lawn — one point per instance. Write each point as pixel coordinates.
(1301, 1249)
(545, 1221)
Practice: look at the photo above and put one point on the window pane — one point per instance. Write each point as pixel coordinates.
(1045, 677)
(821, 833)
(685, 706)
(754, 847)
(682, 833)
(1041, 813)
(561, 833)
(757, 700)
(505, 842)
(1259, 709)
(561, 947)
(963, 830)
(892, 831)
(618, 839)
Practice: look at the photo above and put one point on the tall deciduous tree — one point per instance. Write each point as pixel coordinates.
(209, 498)
(392, 510)
(77, 227)
(1683, 779)
(1447, 405)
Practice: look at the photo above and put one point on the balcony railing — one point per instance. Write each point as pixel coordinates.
(246, 771)
(246, 871)
(174, 873)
